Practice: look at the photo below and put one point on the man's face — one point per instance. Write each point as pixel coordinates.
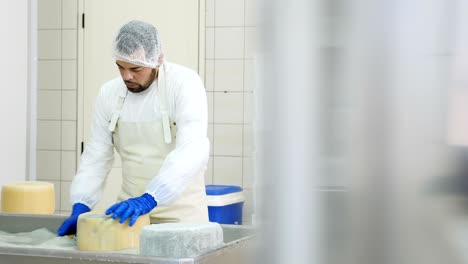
(136, 78)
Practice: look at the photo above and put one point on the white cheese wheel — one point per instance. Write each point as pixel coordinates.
(99, 232)
(29, 197)
(180, 240)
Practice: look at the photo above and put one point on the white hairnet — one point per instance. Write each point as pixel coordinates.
(138, 42)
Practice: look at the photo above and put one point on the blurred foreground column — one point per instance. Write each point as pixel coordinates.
(287, 133)
(351, 130)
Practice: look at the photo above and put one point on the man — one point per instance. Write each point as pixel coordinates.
(155, 115)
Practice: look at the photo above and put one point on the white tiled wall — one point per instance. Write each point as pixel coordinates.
(57, 98)
(229, 81)
(49, 74)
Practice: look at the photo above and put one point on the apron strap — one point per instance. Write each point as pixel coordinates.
(118, 110)
(163, 105)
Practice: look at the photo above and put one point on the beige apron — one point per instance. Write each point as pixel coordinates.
(143, 147)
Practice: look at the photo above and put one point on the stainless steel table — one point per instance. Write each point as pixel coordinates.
(239, 246)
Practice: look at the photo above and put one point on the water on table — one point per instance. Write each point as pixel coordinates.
(44, 238)
(39, 238)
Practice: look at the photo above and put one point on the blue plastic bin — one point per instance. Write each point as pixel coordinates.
(225, 204)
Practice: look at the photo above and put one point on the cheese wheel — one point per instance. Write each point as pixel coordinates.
(180, 240)
(29, 197)
(99, 232)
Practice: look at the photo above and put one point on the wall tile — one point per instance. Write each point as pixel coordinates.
(49, 14)
(210, 13)
(48, 165)
(68, 135)
(209, 172)
(209, 75)
(69, 44)
(250, 12)
(227, 170)
(229, 75)
(48, 106)
(210, 100)
(229, 13)
(70, 14)
(249, 75)
(48, 135)
(250, 42)
(49, 44)
(48, 74)
(210, 43)
(69, 75)
(227, 140)
(248, 140)
(229, 43)
(69, 105)
(68, 168)
(248, 172)
(210, 138)
(65, 204)
(228, 107)
(249, 112)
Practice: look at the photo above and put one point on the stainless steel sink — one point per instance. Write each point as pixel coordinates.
(239, 246)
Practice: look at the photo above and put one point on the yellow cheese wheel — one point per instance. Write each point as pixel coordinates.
(99, 232)
(29, 197)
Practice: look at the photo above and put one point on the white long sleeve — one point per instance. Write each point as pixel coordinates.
(187, 107)
(97, 158)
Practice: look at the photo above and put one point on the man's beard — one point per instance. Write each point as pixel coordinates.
(140, 88)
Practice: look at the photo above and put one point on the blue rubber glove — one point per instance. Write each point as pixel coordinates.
(68, 227)
(133, 208)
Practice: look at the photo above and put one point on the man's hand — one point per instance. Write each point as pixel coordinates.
(133, 208)
(68, 227)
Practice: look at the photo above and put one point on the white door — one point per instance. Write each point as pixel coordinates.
(179, 26)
